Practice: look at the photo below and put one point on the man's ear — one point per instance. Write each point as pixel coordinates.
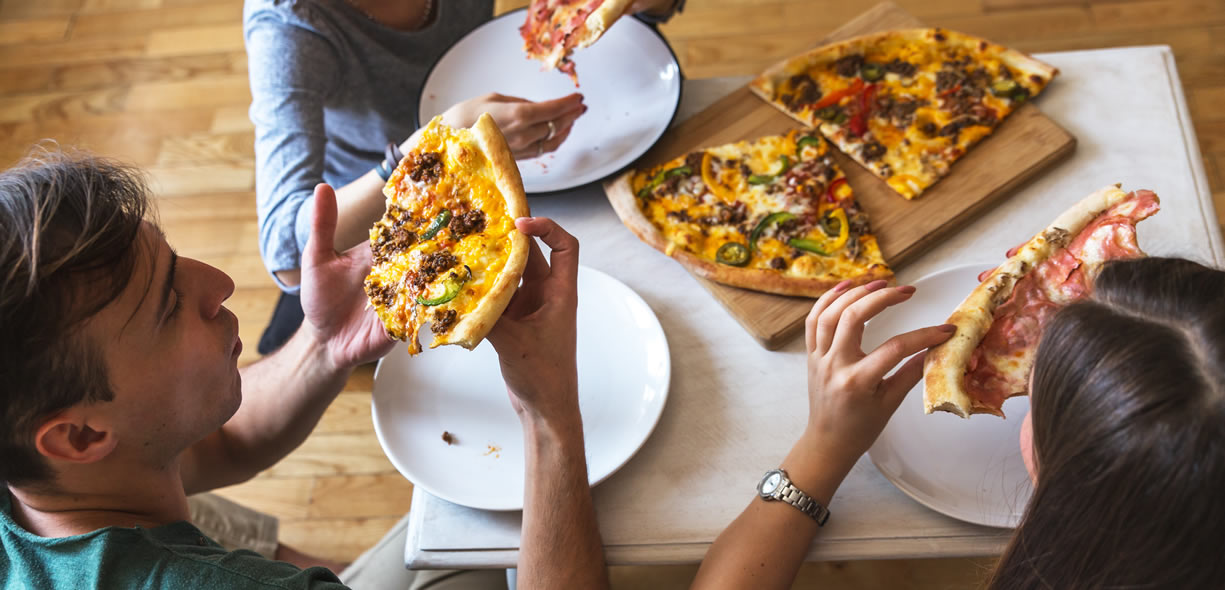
(72, 437)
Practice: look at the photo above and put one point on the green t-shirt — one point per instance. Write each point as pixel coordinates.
(174, 556)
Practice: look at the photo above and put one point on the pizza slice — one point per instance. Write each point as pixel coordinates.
(773, 215)
(447, 251)
(905, 104)
(1000, 323)
(555, 28)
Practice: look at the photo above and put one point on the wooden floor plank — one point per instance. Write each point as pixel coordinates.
(196, 40)
(129, 22)
(337, 538)
(360, 496)
(33, 30)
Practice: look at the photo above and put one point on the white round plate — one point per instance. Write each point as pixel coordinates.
(630, 80)
(624, 369)
(967, 469)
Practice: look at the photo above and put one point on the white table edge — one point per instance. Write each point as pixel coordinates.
(1194, 157)
(691, 553)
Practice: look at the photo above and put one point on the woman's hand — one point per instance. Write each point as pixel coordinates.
(531, 128)
(850, 399)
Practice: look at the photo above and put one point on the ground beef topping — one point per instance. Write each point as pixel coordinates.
(848, 66)
(444, 320)
(425, 167)
(472, 222)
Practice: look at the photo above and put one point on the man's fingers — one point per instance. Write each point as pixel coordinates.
(537, 268)
(827, 322)
(810, 322)
(319, 247)
(563, 259)
(888, 355)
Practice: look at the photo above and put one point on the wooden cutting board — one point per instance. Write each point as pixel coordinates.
(1025, 143)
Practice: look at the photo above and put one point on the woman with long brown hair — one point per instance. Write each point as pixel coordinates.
(1125, 439)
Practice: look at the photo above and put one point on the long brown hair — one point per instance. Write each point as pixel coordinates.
(68, 226)
(1128, 416)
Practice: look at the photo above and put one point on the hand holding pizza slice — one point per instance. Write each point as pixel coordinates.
(1000, 323)
(447, 250)
(555, 28)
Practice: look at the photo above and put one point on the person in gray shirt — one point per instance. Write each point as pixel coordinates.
(333, 83)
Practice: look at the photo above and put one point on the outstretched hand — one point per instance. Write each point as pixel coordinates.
(530, 128)
(536, 335)
(333, 297)
(850, 399)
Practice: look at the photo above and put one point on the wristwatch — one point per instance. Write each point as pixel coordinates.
(775, 486)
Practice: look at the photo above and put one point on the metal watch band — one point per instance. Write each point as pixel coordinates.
(794, 496)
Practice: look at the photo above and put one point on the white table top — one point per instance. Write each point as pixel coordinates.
(735, 408)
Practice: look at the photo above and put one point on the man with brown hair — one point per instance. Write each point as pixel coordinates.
(120, 392)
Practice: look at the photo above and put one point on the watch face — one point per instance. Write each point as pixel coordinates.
(771, 482)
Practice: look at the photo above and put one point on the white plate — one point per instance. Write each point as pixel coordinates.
(624, 369)
(967, 469)
(630, 80)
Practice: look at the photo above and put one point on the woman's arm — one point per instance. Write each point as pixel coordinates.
(850, 401)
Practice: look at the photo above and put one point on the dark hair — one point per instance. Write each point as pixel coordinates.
(1128, 416)
(68, 226)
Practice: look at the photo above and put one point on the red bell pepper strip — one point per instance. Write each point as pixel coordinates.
(837, 95)
(859, 123)
(830, 197)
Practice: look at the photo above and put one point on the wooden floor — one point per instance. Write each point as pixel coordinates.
(163, 84)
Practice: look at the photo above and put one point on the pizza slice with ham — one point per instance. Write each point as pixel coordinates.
(555, 28)
(1000, 323)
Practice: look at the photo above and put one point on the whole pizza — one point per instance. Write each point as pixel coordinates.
(1000, 323)
(774, 214)
(905, 104)
(447, 251)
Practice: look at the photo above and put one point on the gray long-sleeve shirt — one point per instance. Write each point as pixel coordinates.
(330, 88)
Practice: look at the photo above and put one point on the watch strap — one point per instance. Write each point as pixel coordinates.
(794, 496)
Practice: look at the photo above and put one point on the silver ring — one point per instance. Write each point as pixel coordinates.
(552, 131)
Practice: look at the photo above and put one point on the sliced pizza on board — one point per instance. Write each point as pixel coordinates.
(774, 214)
(447, 251)
(555, 28)
(1000, 323)
(905, 104)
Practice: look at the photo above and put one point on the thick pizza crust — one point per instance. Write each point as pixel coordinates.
(595, 26)
(626, 206)
(602, 18)
(945, 366)
(475, 324)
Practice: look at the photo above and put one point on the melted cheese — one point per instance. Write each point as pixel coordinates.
(467, 184)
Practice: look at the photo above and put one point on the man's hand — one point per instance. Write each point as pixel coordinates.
(850, 399)
(524, 123)
(333, 297)
(535, 338)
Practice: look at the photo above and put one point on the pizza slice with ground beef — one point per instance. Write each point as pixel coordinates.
(774, 215)
(1000, 323)
(555, 28)
(446, 251)
(905, 104)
